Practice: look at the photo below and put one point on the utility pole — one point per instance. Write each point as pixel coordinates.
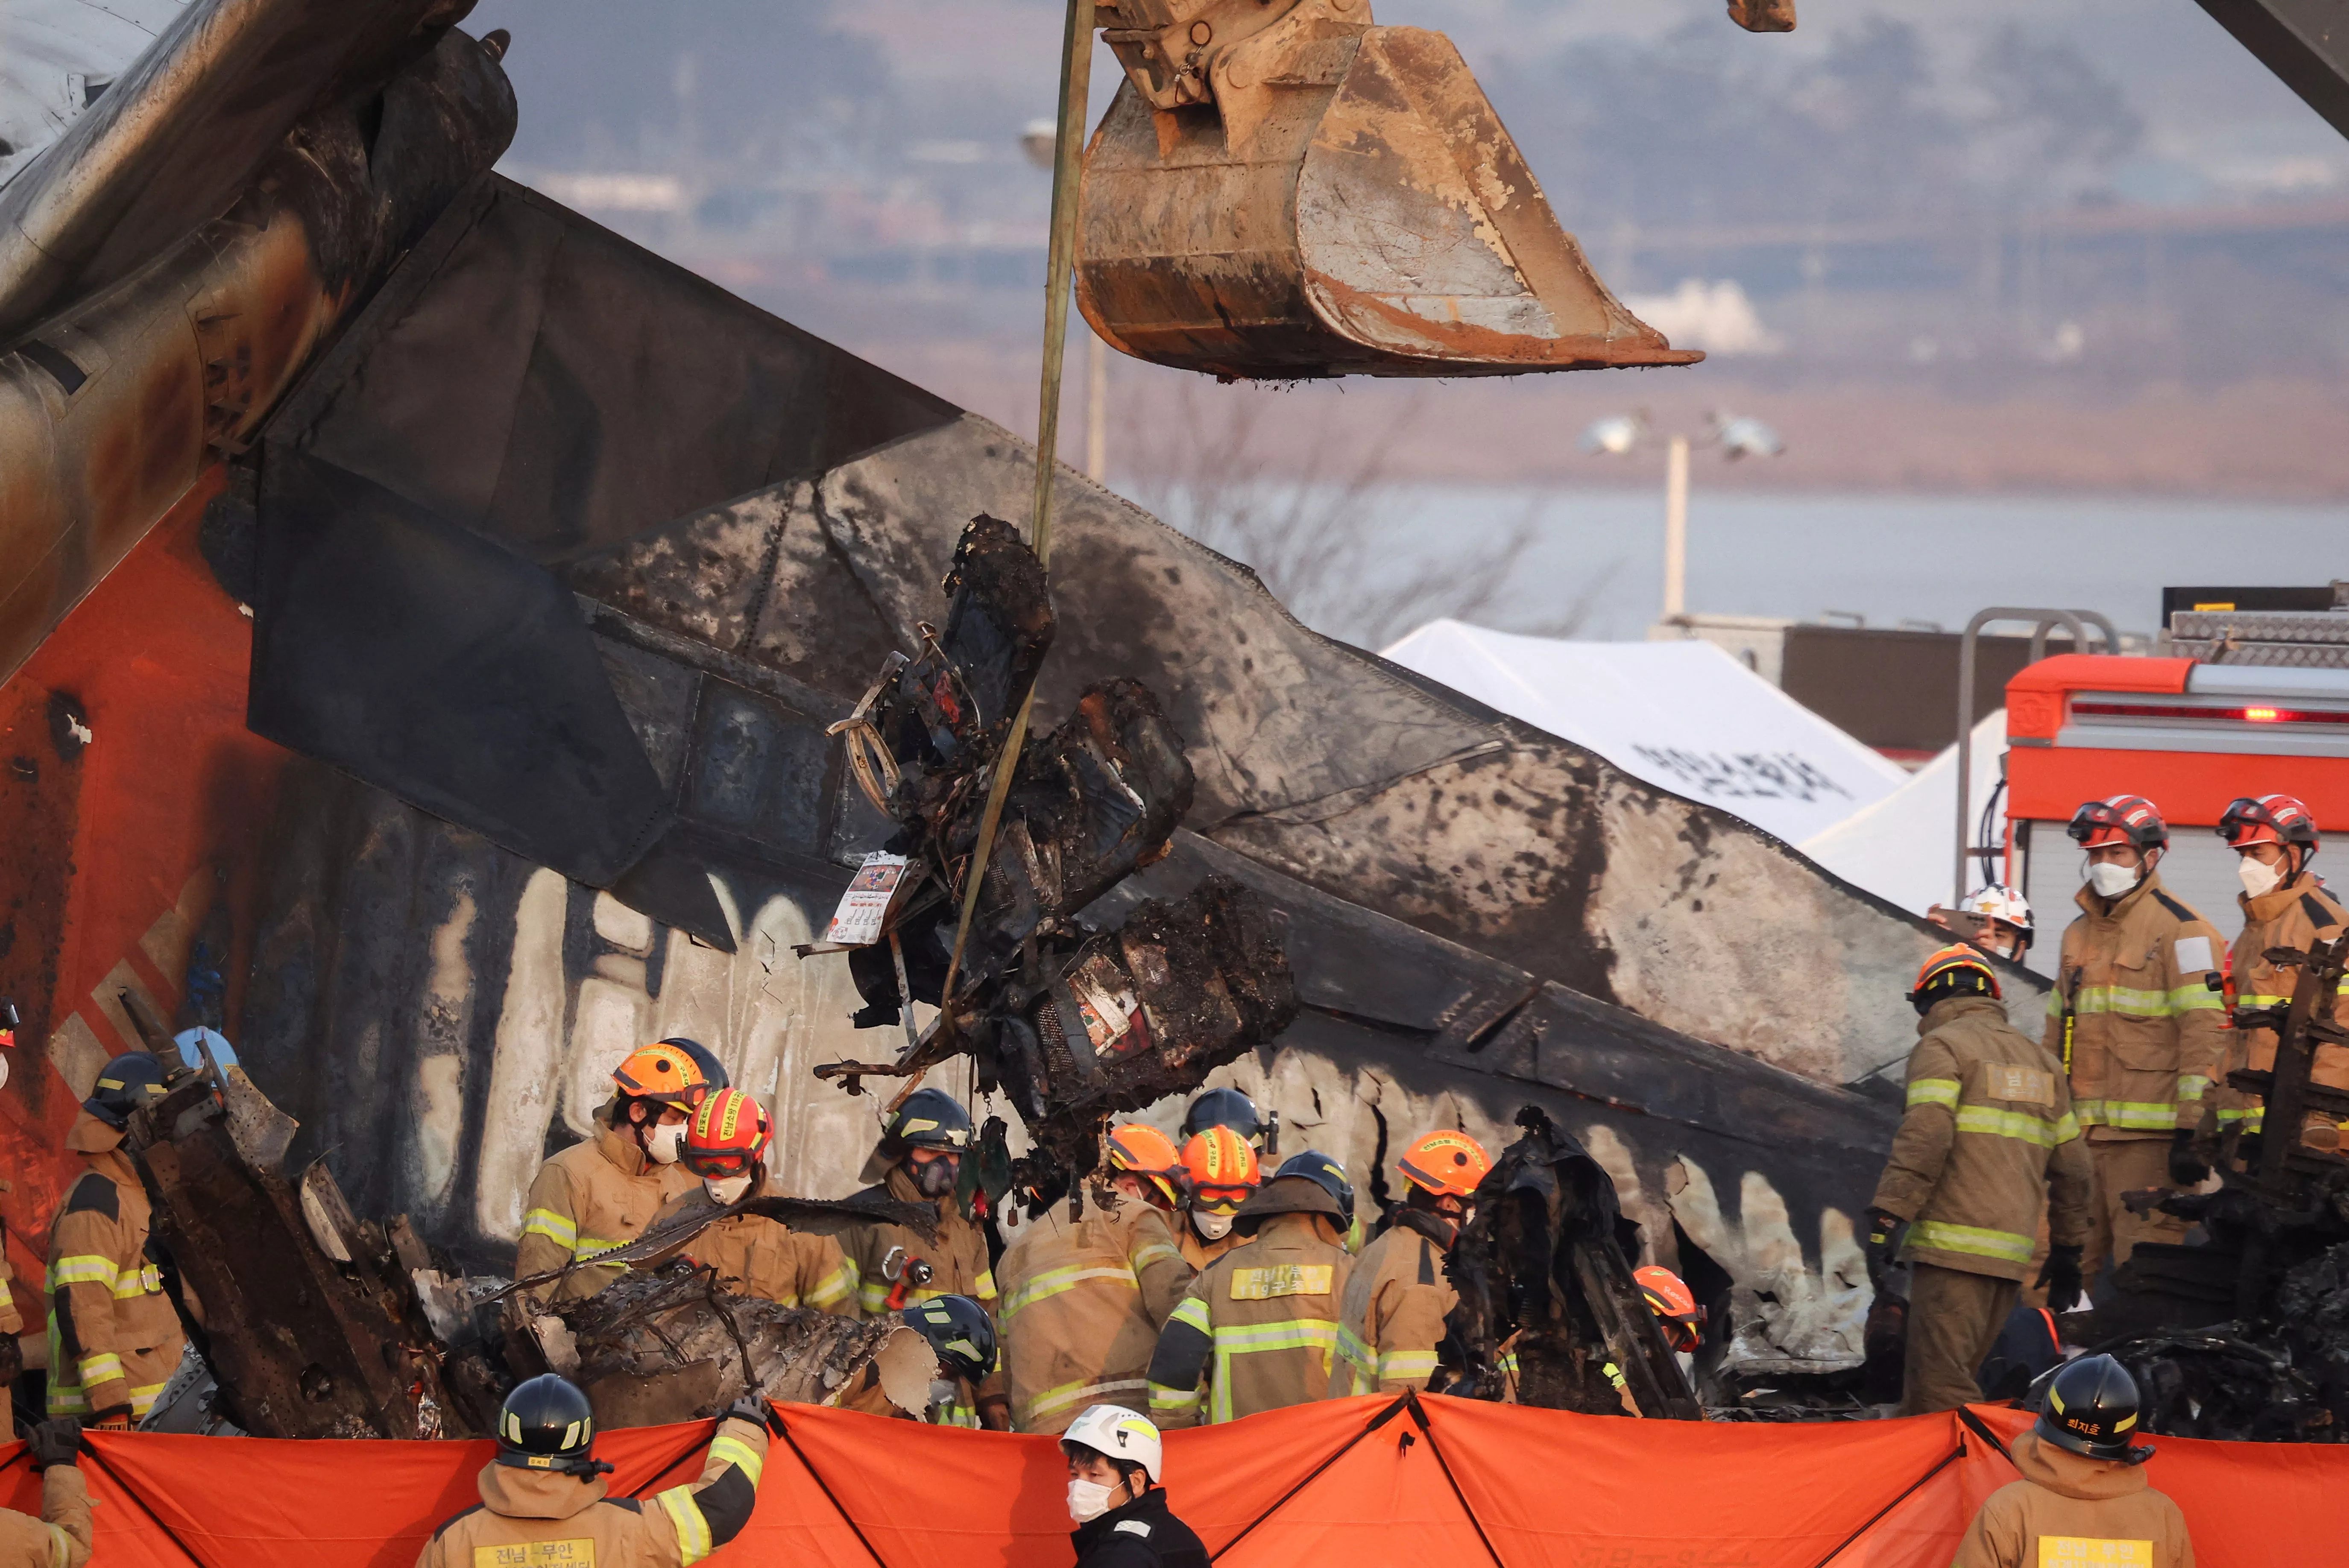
(1676, 483)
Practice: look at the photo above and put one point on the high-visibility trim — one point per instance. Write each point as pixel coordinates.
(1397, 1364)
(555, 1227)
(99, 1366)
(1299, 1333)
(1054, 1282)
(2194, 998)
(873, 1296)
(2262, 1001)
(1191, 1310)
(1974, 1241)
(2067, 1128)
(739, 1454)
(956, 1414)
(143, 1397)
(1052, 1400)
(5, 1299)
(2138, 1115)
(2191, 1087)
(837, 1285)
(83, 1268)
(1165, 1401)
(589, 1246)
(983, 1287)
(1357, 1367)
(1155, 1252)
(1933, 1091)
(2019, 1124)
(2253, 1117)
(59, 1553)
(147, 1280)
(693, 1541)
(2129, 1000)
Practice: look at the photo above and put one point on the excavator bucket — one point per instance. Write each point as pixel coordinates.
(1282, 192)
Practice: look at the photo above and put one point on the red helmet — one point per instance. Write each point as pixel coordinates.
(1669, 1299)
(1447, 1163)
(1222, 1167)
(729, 1135)
(2129, 819)
(2268, 819)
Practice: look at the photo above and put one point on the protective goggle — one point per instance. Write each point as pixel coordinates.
(2245, 816)
(717, 1164)
(1220, 1200)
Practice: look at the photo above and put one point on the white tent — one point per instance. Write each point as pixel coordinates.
(1682, 714)
(1903, 847)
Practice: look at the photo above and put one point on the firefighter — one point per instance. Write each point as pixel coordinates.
(2001, 923)
(1084, 1299)
(114, 1337)
(61, 1537)
(542, 1498)
(2285, 904)
(962, 1337)
(1230, 1108)
(726, 1145)
(2083, 1496)
(1259, 1327)
(1989, 1142)
(1220, 1169)
(1392, 1317)
(598, 1194)
(2136, 1020)
(1120, 1509)
(918, 1160)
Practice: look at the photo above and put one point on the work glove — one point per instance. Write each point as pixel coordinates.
(2187, 1168)
(2059, 1276)
(54, 1442)
(755, 1409)
(1883, 1241)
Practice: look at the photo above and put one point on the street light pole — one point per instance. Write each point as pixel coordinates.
(1676, 483)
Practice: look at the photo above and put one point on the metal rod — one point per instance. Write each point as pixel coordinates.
(1097, 409)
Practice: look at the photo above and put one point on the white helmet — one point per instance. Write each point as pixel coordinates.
(1117, 1433)
(1998, 902)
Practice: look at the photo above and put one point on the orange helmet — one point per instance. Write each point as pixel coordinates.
(1944, 974)
(679, 1070)
(1149, 1154)
(1222, 1169)
(2119, 820)
(1446, 1162)
(2268, 819)
(728, 1134)
(1677, 1313)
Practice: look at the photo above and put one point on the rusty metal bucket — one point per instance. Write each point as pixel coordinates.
(1321, 197)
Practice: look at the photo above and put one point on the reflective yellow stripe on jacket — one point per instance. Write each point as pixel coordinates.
(1181, 1402)
(1970, 1239)
(1299, 1333)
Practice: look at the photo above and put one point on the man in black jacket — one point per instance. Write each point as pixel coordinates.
(1114, 1496)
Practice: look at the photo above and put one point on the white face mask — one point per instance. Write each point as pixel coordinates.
(727, 1190)
(2258, 876)
(666, 1143)
(1213, 1227)
(2110, 881)
(1089, 1499)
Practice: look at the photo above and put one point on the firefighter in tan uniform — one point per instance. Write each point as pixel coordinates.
(599, 1194)
(1259, 1327)
(1391, 1316)
(2285, 904)
(2084, 1497)
(61, 1537)
(1988, 1138)
(543, 1502)
(1219, 1170)
(1084, 1299)
(726, 1145)
(114, 1335)
(2138, 1020)
(919, 1160)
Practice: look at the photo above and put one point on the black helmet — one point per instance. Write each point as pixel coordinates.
(124, 1084)
(930, 1119)
(1325, 1172)
(545, 1424)
(1223, 1107)
(2091, 1408)
(1286, 1195)
(959, 1330)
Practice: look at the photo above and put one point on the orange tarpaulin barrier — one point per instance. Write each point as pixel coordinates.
(1348, 1483)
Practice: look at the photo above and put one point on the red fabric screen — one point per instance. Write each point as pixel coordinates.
(1348, 1483)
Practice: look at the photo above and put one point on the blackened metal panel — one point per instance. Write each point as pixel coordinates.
(440, 666)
